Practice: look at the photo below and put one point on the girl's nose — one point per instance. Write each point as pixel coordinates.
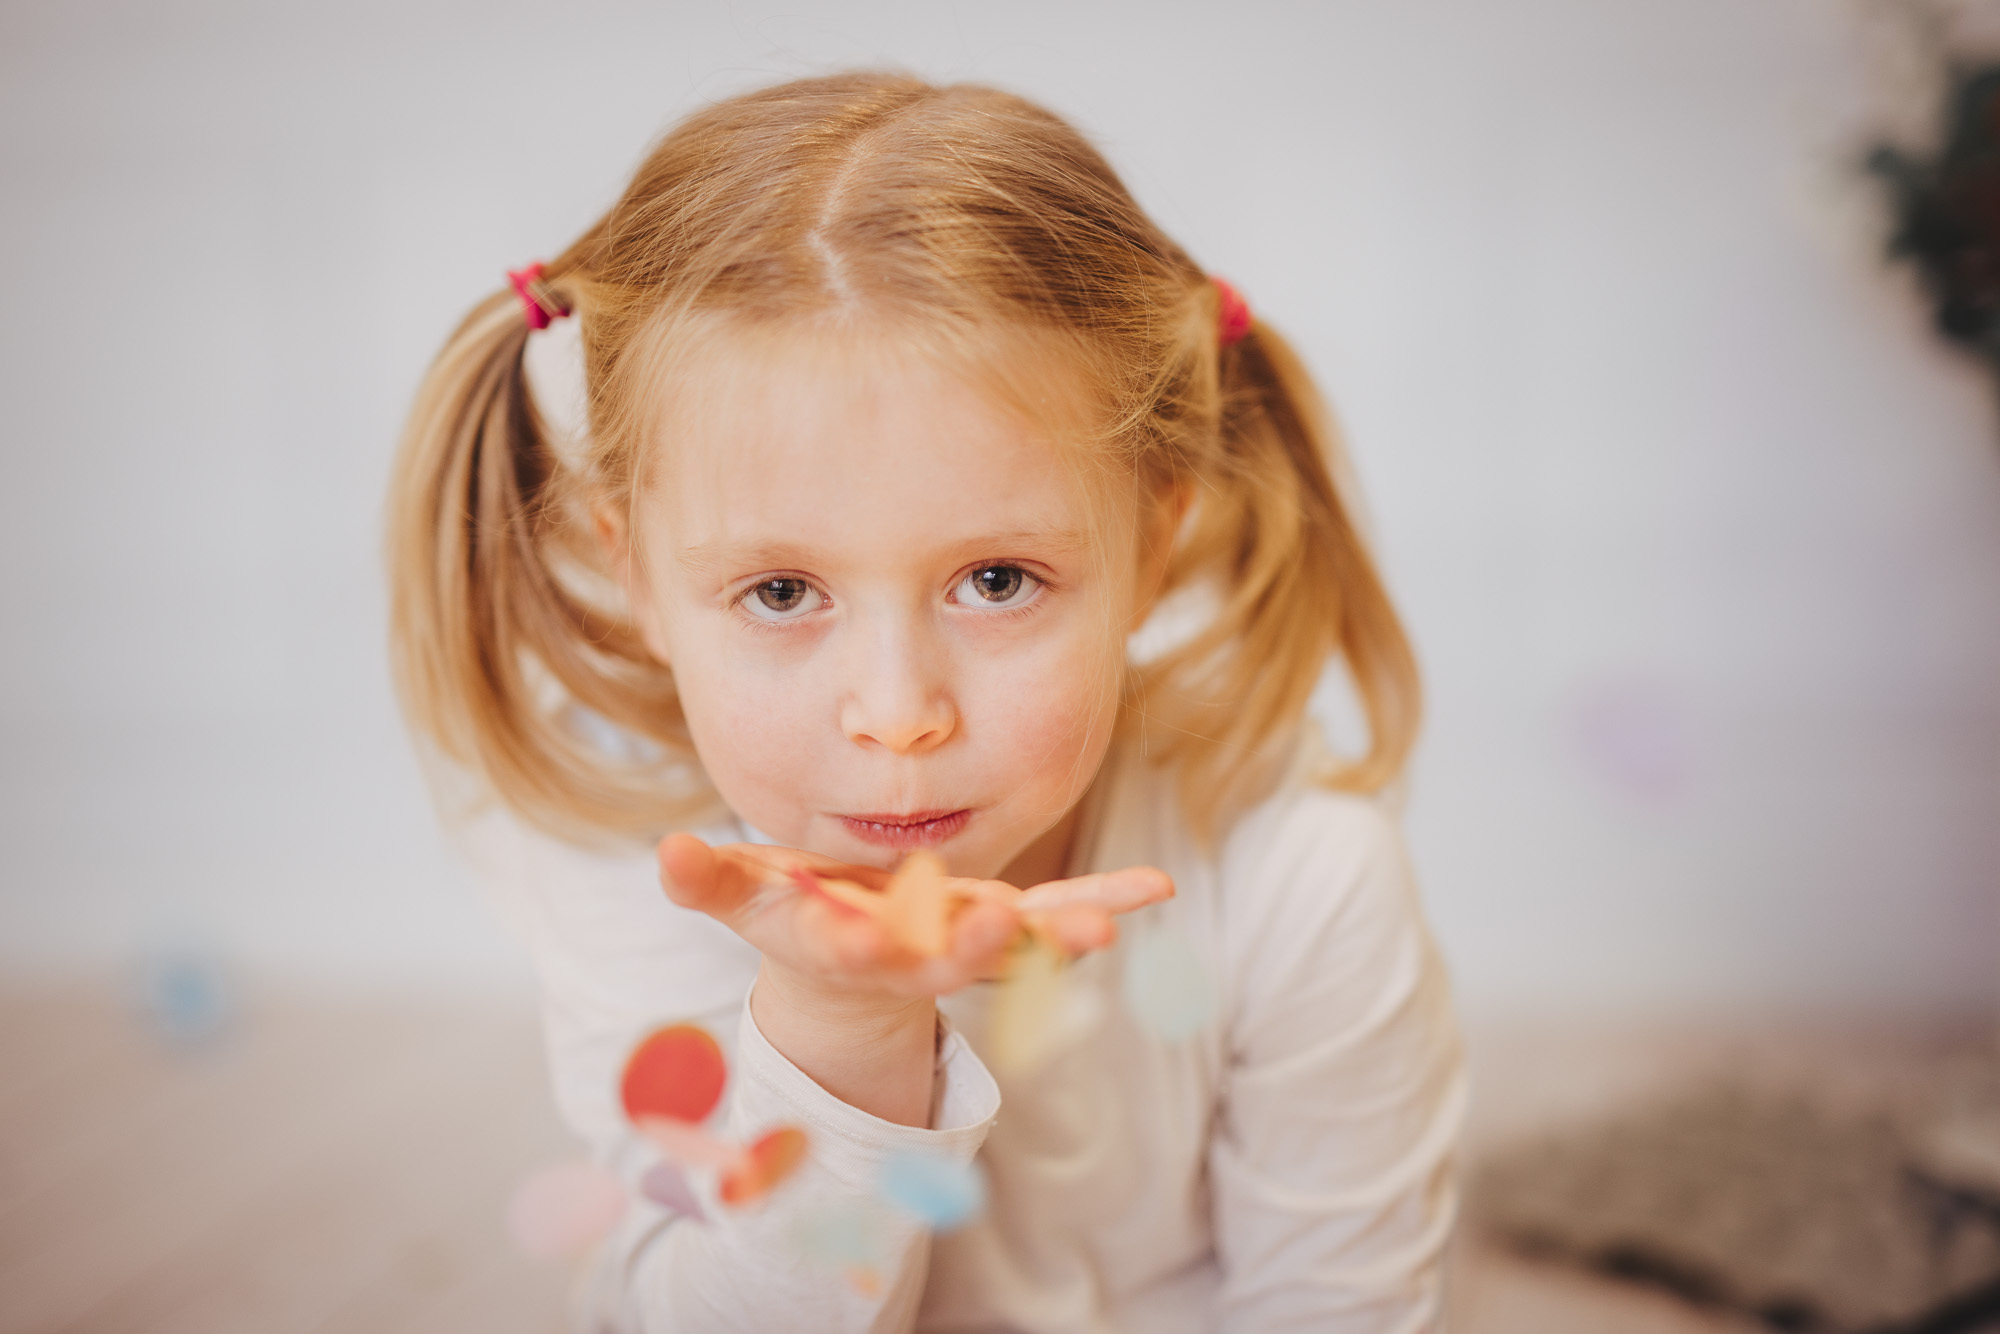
(899, 699)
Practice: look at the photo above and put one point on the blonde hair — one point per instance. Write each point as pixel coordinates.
(944, 207)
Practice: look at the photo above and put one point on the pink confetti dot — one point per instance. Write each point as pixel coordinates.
(563, 1210)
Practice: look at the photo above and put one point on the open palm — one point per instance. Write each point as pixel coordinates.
(750, 888)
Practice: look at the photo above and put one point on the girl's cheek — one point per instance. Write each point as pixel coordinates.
(1045, 713)
(752, 728)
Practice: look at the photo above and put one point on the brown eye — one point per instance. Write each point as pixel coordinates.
(782, 599)
(998, 586)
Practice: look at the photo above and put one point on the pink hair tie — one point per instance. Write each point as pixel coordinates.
(1234, 319)
(537, 314)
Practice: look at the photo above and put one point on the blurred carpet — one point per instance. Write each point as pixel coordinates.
(313, 1167)
(323, 1167)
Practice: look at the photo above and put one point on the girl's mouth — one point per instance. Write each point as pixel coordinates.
(919, 829)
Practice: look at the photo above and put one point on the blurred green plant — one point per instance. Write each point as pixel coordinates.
(1947, 212)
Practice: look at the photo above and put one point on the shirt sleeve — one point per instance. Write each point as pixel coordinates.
(1331, 1163)
(618, 959)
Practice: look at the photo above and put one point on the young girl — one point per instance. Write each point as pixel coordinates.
(896, 420)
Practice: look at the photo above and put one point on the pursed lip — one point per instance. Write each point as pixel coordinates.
(914, 829)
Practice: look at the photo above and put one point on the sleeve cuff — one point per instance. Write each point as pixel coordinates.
(848, 1143)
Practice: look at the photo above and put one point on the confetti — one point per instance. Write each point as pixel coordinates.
(767, 1162)
(915, 907)
(665, 1186)
(919, 908)
(688, 1144)
(1168, 985)
(848, 1234)
(561, 1211)
(842, 1233)
(1028, 1007)
(672, 1082)
(1636, 734)
(940, 1192)
(676, 1072)
(186, 996)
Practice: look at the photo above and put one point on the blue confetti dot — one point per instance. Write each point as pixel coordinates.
(1168, 984)
(942, 1193)
(187, 997)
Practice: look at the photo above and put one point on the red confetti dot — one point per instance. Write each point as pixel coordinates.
(769, 1161)
(676, 1073)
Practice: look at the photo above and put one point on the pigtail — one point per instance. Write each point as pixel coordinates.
(511, 648)
(1289, 583)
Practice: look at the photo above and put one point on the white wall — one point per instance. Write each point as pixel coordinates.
(1698, 531)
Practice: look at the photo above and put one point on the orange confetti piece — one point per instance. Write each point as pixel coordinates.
(915, 908)
(765, 1164)
(677, 1073)
(918, 912)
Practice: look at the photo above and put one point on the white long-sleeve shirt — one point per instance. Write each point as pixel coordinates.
(1288, 1167)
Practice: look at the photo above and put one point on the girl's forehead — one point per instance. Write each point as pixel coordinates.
(733, 376)
(853, 439)
(818, 395)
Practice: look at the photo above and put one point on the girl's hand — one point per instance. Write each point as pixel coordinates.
(749, 888)
(838, 996)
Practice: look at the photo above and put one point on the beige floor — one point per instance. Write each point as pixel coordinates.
(341, 1168)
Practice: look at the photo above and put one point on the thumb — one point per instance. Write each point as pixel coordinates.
(688, 871)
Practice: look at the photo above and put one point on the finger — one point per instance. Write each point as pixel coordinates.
(731, 884)
(984, 891)
(724, 881)
(767, 864)
(1078, 928)
(980, 936)
(1110, 891)
(781, 862)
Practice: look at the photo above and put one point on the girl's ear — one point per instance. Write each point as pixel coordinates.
(608, 526)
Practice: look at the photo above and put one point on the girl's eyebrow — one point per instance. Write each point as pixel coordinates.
(729, 556)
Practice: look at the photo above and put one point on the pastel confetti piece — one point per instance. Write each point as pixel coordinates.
(1028, 1007)
(1168, 985)
(665, 1186)
(766, 1164)
(842, 1233)
(918, 914)
(847, 1234)
(677, 1072)
(915, 907)
(1636, 733)
(942, 1193)
(561, 1211)
(688, 1144)
(185, 995)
